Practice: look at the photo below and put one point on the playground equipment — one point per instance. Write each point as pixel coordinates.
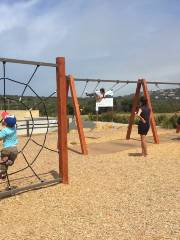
(63, 84)
(143, 83)
(140, 83)
(71, 85)
(62, 113)
(104, 101)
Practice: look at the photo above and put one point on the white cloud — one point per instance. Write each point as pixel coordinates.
(102, 39)
(15, 15)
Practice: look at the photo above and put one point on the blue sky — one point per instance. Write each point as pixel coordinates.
(117, 39)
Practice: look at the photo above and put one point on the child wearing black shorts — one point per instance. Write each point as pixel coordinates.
(144, 123)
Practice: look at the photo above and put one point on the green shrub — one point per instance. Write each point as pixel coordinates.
(91, 117)
(160, 118)
(169, 122)
(107, 117)
(163, 120)
(121, 118)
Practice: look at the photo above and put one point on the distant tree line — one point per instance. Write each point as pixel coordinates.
(87, 105)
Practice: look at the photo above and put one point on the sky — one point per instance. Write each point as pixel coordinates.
(107, 39)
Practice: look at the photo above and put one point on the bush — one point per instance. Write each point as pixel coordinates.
(91, 117)
(108, 116)
(169, 122)
(162, 120)
(121, 118)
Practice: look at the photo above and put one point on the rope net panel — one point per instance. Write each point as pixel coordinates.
(37, 159)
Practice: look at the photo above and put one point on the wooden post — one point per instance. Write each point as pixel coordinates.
(78, 116)
(135, 102)
(62, 118)
(152, 119)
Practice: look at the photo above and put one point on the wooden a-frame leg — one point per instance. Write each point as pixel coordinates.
(152, 119)
(133, 110)
(78, 116)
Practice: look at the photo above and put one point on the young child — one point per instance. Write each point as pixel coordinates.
(144, 123)
(8, 136)
(98, 95)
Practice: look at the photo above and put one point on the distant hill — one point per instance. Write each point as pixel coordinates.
(166, 94)
(166, 101)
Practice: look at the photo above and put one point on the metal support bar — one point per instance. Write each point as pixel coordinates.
(28, 62)
(10, 60)
(122, 81)
(14, 191)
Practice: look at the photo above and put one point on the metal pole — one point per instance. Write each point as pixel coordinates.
(10, 60)
(123, 81)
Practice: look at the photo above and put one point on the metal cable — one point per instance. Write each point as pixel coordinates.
(114, 85)
(84, 89)
(96, 85)
(117, 89)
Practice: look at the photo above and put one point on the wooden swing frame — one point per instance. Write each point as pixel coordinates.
(63, 85)
(143, 83)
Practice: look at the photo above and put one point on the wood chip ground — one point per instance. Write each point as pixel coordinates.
(112, 195)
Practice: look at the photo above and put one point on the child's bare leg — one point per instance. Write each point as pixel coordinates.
(144, 146)
(3, 170)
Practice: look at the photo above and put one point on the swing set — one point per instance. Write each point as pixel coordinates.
(140, 83)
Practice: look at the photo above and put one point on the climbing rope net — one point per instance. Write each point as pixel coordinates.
(19, 99)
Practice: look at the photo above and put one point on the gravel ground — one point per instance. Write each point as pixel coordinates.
(114, 196)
